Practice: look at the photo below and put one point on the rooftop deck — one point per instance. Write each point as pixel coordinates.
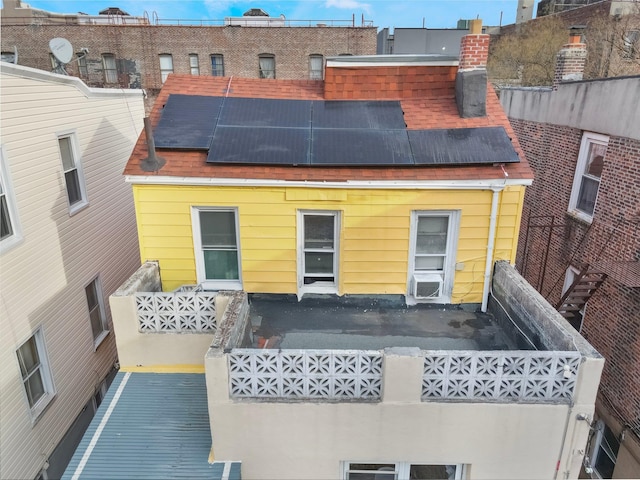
(365, 324)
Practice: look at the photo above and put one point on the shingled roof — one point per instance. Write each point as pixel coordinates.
(426, 94)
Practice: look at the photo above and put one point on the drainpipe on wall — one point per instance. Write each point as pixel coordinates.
(490, 246)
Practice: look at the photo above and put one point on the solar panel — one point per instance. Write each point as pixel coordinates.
(264, 112)
(461, 146)
(383, 115)
(255, 145)
(187, 122)
(360, 147)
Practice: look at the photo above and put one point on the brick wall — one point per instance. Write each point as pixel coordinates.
(389, 82)
(136, 48)
(612, 319)
(474, 51)
(570, 62)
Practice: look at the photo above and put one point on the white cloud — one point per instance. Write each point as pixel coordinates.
(348, 5)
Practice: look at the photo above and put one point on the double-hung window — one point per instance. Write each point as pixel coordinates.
(9, 225)
(316, 63)
(318, 251)
(400, 471)
(432, 255)
(588, 173)
(217, 65)
(267, 65)
(35, 372)
(73, 177)
(166, 66)
(109, 68)
(604, 452)
(215, 233)
(97, 315)
(83, 70)
(194, 64)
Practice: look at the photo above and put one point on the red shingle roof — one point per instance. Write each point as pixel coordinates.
(436, 109)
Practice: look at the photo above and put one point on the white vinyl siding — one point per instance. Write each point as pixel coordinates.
(35, 107)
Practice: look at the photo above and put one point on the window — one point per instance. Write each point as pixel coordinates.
(166, 66)
(72, 173)
(588, 172)
(194, 64)
(97, 316)
(400, 471)
(569, 277)
(109, 68)
(9, 226)
(9, 57)
(605, 450)
(216, 243)
(318, 252)
(433, 247)
(267, 65)
(35, 372)
(217, 65)
(316, 62)
(83, 71)
(630, 46)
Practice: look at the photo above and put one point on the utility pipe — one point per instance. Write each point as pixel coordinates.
(490, 246)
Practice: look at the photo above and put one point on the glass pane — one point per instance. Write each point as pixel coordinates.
(92, 296)
(35, 388)
(193, 60)
(430, 263)
(96, 322)
(595, 161)
(73, 186)
(318, 231)
(267, 67)
(111, 76)
(28, 357)
(432, 234)
(318, 262)
(5, 221)
(604, 464)
(166, 62)
(66, 153)
(432, 472)
(218, 229)
(221, 264)
(587, 195)
(217, 65)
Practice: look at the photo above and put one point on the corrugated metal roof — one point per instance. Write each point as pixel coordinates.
(150, 426)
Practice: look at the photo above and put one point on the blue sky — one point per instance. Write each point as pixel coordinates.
(383, 13)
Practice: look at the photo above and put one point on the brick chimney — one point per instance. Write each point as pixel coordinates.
(570, 60)
(471, 79)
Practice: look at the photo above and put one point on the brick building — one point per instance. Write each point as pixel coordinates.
(139, 55)
(583, 142)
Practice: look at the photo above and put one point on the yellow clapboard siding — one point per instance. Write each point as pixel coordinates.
(374, 239)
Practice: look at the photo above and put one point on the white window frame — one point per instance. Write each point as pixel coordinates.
(165, 71)
(218, 71)
(588, 138)
(199, 256)
(266, 73)
(448, 271)
(329, 287)
(15, 237)
(595, 449)
(110, 71)
(315, 74)
(99, 338)
(402, 469)
(194, 64)
(83, 202)
(45, 371)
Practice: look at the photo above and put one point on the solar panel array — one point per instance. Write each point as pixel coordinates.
(319, 133)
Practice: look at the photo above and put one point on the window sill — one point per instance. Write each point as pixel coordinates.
(100, 338)
(580, 217)
(77, 208)
(216, 285)
(10, 243)
(38, 410)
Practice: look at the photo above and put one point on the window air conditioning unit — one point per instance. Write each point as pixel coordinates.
(427, 285)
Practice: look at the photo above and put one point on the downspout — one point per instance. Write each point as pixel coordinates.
(490, 246)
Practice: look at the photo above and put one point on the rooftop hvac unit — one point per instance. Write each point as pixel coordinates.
(427, 285)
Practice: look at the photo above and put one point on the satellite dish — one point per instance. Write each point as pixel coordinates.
(61, 49)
